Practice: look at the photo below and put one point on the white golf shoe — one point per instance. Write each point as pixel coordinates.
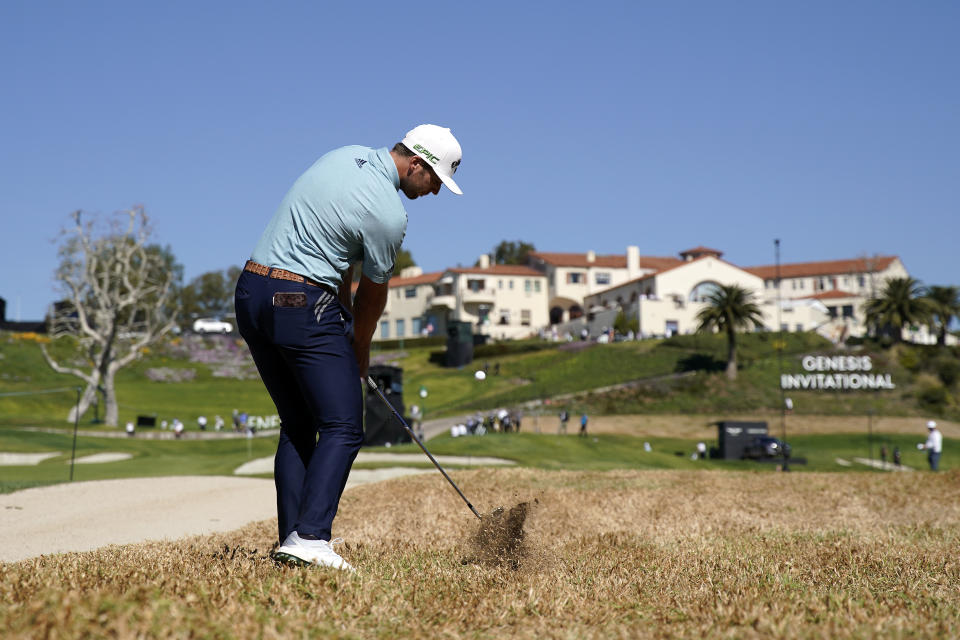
(297, 550)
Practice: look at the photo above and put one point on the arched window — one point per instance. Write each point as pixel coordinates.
(700, 292)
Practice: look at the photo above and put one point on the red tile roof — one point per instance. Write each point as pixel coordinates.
(425, 278)
(580, 260)
(610, 261)
(701, 250)
(823, 268)
(500, 270)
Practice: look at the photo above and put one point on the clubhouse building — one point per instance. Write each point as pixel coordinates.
(556, 294)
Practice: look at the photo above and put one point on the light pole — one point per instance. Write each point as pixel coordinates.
(780, 347)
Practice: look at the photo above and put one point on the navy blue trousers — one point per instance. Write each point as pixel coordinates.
(302, 345)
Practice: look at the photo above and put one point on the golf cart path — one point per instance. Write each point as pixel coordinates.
(82, 516)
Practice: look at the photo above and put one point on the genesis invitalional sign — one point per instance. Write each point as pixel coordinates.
(838, 373)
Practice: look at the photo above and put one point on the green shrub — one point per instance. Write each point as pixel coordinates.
(909, 359)
(930, 394)
(948, 370)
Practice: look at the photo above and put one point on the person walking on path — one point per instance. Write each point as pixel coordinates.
(583, 425)
(309, 339)
(933, 445)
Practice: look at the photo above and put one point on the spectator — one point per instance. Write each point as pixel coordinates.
(130, 429)
(883, 455)
(701, 451)
(177, 428)
(202, 423)
(416, 417)
(236, 420)
(583, 425)
(564, 418)
(217, 423)
(896, 456)
(933, 445)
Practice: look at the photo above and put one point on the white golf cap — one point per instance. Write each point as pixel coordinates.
(931, 425)
(438, 147)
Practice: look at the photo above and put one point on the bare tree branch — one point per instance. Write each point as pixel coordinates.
(119, 298)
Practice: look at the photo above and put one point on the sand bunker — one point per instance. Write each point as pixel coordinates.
(265, 465)
(24, 459)
(103, 457)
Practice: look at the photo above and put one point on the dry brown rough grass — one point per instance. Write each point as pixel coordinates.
(608, 555)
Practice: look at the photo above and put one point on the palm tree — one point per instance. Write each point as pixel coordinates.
(901, 303)
(729, 308)
(944, 306)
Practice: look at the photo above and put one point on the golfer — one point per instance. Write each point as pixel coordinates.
(309, 339)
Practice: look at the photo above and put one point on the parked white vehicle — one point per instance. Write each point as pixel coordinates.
(211, 325)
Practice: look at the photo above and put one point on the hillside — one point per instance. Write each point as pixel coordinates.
(193, 376)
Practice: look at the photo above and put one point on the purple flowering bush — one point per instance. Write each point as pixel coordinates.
(226, 357)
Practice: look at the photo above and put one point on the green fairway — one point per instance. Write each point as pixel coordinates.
(150, 458)
(155, 458)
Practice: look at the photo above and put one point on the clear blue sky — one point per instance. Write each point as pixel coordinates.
(834, 126)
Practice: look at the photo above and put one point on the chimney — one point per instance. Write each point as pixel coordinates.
(411, 272)
(633, 262)
(484, 261)
(591, 257)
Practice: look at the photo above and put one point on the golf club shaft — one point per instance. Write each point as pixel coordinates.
(403, 423)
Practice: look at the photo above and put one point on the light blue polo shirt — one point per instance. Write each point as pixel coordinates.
(343, 209)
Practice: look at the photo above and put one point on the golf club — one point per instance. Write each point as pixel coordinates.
(376, 389)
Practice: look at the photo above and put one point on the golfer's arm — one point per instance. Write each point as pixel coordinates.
(368, 305)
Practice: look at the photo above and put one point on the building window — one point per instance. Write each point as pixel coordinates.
(848, 311)
(671, 328)
(793, 284)
(410, 292)
(384, 329)
(861, 281)
(784, 327)
(799, 327)
(504, 316)
(576, 277)
(527, 286)
(525, 317)
(832, 311)
(602, 277)
(499, 284)
(511, 283)
(401, 328)
(700, 292)
(475, 285)
(417, 325)
(536, 286)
